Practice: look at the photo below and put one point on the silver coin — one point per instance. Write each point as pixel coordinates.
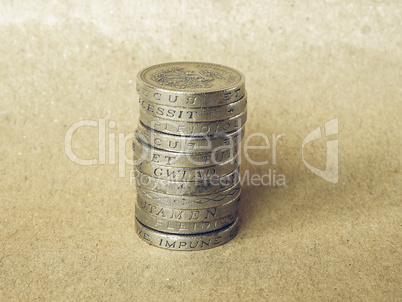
(194, 128)
(190, 84)
(144, 152)
(187, 215)
(192, 114)
(187, 242)
(188, 144)
(186, 174)
(192, 188)
(190, 202)
(179, 227)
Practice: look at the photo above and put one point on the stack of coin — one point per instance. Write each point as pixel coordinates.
(186, 156)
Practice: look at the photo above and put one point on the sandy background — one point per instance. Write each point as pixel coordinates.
(67, 230)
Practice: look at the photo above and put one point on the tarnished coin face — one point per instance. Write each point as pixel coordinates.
(191, 84)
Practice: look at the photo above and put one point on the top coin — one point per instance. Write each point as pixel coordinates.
(191, 84)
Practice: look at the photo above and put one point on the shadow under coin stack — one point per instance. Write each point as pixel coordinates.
(186, 146)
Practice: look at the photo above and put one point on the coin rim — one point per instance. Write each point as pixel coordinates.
(222, 210)
(158, 234)
(146, 218)
(239, 105)
(243, 116)
(236, 188)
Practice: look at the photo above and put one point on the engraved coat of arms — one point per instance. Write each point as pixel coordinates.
(180, 78)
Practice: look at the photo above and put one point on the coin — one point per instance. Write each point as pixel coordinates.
(189, 188)
(144, 152)
(190, 202)
(195, 128)
(179, 227)
(186, 174)
(187, 215)
(189, 144)
(187, 242)
(192, 114)
(190, 84)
